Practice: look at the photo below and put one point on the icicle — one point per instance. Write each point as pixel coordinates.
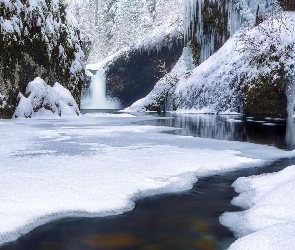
(244, 12)
(189, 16)
(241, 12)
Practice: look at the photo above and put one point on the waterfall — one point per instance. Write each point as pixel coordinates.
(97, 99)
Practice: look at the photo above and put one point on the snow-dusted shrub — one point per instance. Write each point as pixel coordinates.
(43, 100)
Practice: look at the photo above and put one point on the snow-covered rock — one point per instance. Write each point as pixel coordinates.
(44, 100)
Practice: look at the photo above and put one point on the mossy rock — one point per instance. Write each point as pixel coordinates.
(266, 97)
(47, 49)
(7, 112)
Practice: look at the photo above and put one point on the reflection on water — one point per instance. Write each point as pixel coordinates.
(276, 132)
(290, 133)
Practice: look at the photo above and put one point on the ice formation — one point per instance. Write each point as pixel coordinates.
(240, 13)
(44, 100)
(194, 27)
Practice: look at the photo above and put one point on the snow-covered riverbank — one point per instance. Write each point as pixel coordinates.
(268, 223)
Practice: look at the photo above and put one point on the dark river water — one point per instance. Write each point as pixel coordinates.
(278, 132)
(187, 220)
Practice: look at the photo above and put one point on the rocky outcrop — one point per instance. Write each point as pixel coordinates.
(38, 39)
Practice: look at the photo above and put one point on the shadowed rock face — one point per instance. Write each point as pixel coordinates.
(42, 43)
(133, 75)
(288, 5)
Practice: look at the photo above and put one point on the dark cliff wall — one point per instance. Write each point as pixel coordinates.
(133, 75)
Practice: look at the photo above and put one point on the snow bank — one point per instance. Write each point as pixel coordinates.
(97, 165)
(44, 100)
(269, 221)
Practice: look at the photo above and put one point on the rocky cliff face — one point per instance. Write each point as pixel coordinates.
(133, 74)
(38, 38)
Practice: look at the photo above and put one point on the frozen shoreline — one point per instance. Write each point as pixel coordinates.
(54, 167)
(268, 221)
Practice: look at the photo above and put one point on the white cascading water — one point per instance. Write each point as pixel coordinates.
(98, 98)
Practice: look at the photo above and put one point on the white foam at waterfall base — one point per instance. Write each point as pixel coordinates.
(98, 98)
